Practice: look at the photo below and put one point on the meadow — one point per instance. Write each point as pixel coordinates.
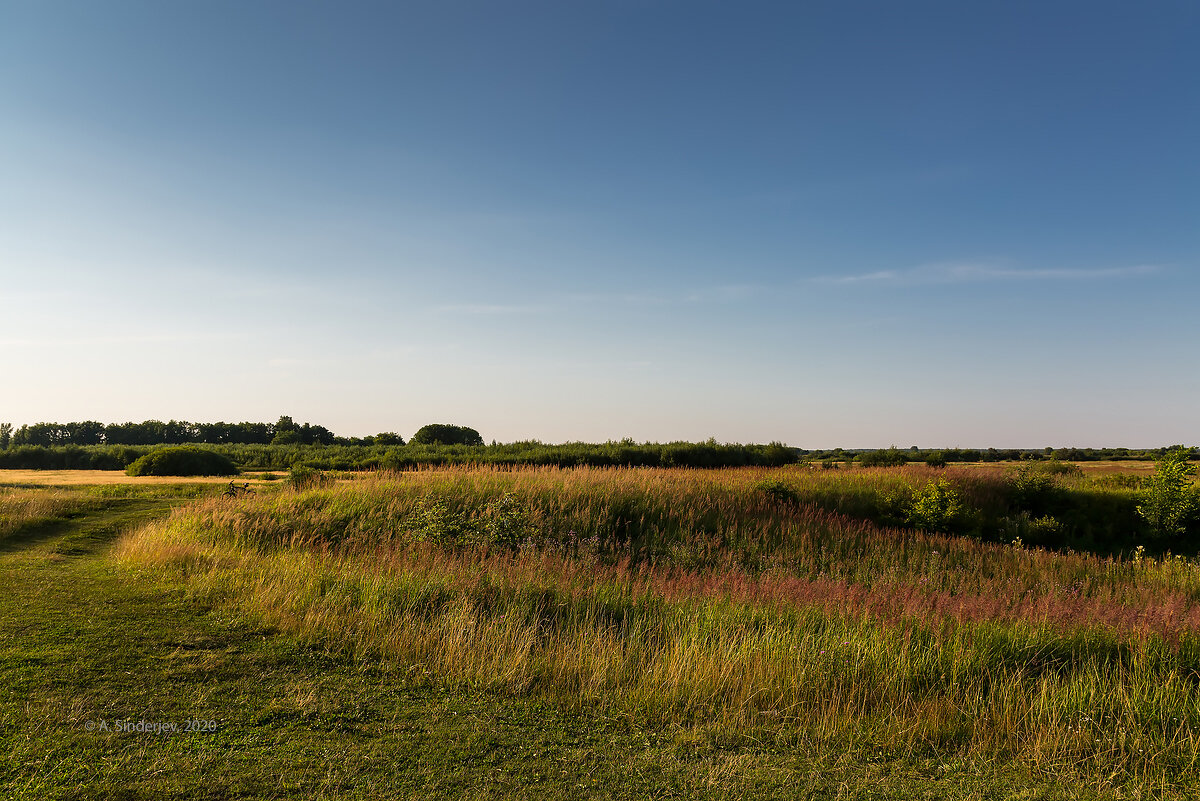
(900, 616)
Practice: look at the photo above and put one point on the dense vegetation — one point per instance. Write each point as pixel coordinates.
(446, 434)
(776, 603)
(181, 461)
(390, 453)
(400, 457)
(286, 432)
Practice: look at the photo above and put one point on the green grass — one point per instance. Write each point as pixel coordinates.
(303, 713)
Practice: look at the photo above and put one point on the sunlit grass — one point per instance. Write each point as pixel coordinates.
(22, 507)
(675, 595)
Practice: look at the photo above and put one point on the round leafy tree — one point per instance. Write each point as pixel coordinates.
(182, 462)
(446, 434)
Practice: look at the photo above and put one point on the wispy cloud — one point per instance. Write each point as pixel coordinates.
(962, 273)
(488, 308)
(723, 293)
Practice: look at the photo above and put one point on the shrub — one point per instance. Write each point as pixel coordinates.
(434, 520)
(935, 507)
(1169, 501)
(182, 462)
(935, 459)
(303, 477)
(1032, 489)
(776, 490)
(505, 522)
(1054, 467)
(892, 457)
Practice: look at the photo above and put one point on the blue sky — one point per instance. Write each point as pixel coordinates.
(841, 223)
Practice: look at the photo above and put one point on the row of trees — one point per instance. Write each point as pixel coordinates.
(284, 431)
(172, 432)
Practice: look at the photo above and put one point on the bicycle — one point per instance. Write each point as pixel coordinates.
(233, 491)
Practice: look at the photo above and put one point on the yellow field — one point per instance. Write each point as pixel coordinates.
(63, 478)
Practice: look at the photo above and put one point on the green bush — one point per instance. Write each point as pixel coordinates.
(1034, 490)
(1169, 501)
(302, 477)
(776, 490)
(892, 457)
(1054, 467)
(505, 522)
(182, 462)
(434, 520)
(935, 507)
(935, 459)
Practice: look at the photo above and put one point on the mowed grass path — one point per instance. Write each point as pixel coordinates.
(83, 639)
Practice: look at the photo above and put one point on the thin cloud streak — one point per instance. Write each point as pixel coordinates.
(487, 308)
(978, 273)
(723, 293)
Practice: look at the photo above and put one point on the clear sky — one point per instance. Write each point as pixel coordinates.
(827, 223)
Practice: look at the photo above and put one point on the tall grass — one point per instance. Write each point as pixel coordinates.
(682, 596)
(23, 508)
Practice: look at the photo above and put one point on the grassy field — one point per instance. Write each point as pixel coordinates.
(88, 478)
(622, 633)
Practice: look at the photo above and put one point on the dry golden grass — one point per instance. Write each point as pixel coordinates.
(21, 508)
(76, 478)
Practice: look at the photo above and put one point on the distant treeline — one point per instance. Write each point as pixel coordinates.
(898, 456)
(284, 444)
(403, 457)
(174, 432)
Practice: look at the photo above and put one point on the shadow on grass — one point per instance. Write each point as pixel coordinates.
(87, 531)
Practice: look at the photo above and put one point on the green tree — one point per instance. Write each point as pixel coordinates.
(446, 434)
(5, 435)
(1169, 501)
(286, 437)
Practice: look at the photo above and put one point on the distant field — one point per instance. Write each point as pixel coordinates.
(61, 478)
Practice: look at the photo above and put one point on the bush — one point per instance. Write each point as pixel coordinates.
(892, 457)
(776, 490)
(935, 507)
(302, 477)
(182, 462)
(1054, 467)
(1169, 501)
(1034, 490)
